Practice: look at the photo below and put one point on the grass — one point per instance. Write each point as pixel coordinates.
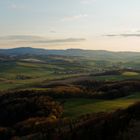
(128, 73)
(77, 107)
(54, 68)
(37, 71)
(38, 79)
(42, 73)
(123, 76)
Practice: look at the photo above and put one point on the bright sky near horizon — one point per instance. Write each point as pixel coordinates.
(60, 24)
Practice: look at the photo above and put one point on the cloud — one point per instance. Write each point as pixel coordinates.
(20, 37)
(123, 35)
(16, 7)
(53, 31)
(38, 39)
(87, 1)
(13, 6)
(138, 31)
(67, 40)
(71, 18)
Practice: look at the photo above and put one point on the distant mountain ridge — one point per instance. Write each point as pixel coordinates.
(97, 54)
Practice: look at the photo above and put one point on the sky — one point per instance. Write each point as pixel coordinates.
(60, 24)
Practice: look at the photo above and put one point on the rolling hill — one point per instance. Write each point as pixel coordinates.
(95, 54)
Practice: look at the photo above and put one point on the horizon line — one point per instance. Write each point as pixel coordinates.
(70, 49)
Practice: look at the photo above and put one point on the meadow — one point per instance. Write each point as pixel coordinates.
(77, 107)
(30, 73)
(54, 94)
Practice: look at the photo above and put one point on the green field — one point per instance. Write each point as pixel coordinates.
(128, 73)
(35, 70)
(18, 74)
(77, 107)
(124, 76)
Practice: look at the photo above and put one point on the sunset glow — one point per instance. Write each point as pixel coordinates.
(61, 24)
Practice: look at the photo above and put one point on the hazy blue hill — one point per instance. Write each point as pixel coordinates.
(94, 54)
(22, 51)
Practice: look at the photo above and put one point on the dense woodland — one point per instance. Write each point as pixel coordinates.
(36, 114)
